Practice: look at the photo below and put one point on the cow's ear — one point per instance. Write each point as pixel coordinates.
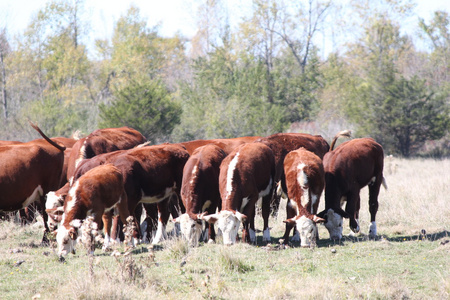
(241, 217)
(317, 219)
(290, 221)
(73, 233)
(211, 218)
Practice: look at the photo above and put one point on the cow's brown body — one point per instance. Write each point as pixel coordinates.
(351, 166)
(28, 171)
(102, 141)
(226, 145)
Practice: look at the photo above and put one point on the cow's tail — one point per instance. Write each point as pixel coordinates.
(343, 133)
(57, 146)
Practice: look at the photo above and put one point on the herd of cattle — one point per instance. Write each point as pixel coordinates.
(114, 173)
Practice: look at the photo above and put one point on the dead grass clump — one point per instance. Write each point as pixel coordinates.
(178, 247)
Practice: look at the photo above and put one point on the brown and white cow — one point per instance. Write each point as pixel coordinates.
(102, 141)
(283, 143)
(246, 175)
(305, 180)
(28, 172)
(153, 174)
(200, 191)
(351, 166)
(97, 191)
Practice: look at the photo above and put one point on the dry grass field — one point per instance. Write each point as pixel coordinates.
(401, 263)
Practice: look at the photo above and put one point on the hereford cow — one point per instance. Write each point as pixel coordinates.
(305, 181)
(200, 191)
(246, 175)
(28, 172)
(98, 190)
(102, 141)
(351, 166)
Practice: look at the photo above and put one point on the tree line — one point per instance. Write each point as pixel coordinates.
(266, 74)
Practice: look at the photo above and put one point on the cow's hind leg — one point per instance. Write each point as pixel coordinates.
(266, 214)
(352, 209)
(374, 190)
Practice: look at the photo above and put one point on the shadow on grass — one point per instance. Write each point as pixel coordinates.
(323, 243)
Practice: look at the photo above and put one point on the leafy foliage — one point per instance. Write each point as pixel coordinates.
(146, 107)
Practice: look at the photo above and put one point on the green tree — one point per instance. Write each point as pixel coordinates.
(412, 114)
(146, 107)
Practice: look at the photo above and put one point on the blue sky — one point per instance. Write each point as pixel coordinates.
(174, 15)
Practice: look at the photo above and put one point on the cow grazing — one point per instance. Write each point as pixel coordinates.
(153, 174)
(351, 166)
(246, 175)
(283, 143)
(28, 171)
(102, 141)
(98, 190)
(305, 180)
(200, 191)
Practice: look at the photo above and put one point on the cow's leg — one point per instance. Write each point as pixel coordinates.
(107, 219)
(290, 213)
(266, 215)
(353, 202)
(374, 190)
(163, 217)
(44, 215)
(176, 208)
(151, 220)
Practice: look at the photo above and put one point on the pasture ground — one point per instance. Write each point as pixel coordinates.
(402, 263)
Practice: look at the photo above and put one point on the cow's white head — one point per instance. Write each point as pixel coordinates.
(334, 222)
(307, 228)
(54, 207)
(190, 229)
(67, 237)
(228, 222)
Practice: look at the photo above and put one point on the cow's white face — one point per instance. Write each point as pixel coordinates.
(53, 203)
(334, 224)
(308, 231)
(190, 228)
(66, 239)
(229, 223)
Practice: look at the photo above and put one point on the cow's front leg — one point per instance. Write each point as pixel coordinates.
(163, 217)
(266, 214)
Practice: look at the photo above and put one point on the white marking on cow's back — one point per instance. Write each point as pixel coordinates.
(73, 197)
(302, 178)
(37, 193)
(230, 172)
(81, 154)
(193, 175)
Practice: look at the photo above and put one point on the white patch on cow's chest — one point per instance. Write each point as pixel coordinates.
(244, 203)
(37, 193)
(230, 172)
(158, 198)
(267, 190)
